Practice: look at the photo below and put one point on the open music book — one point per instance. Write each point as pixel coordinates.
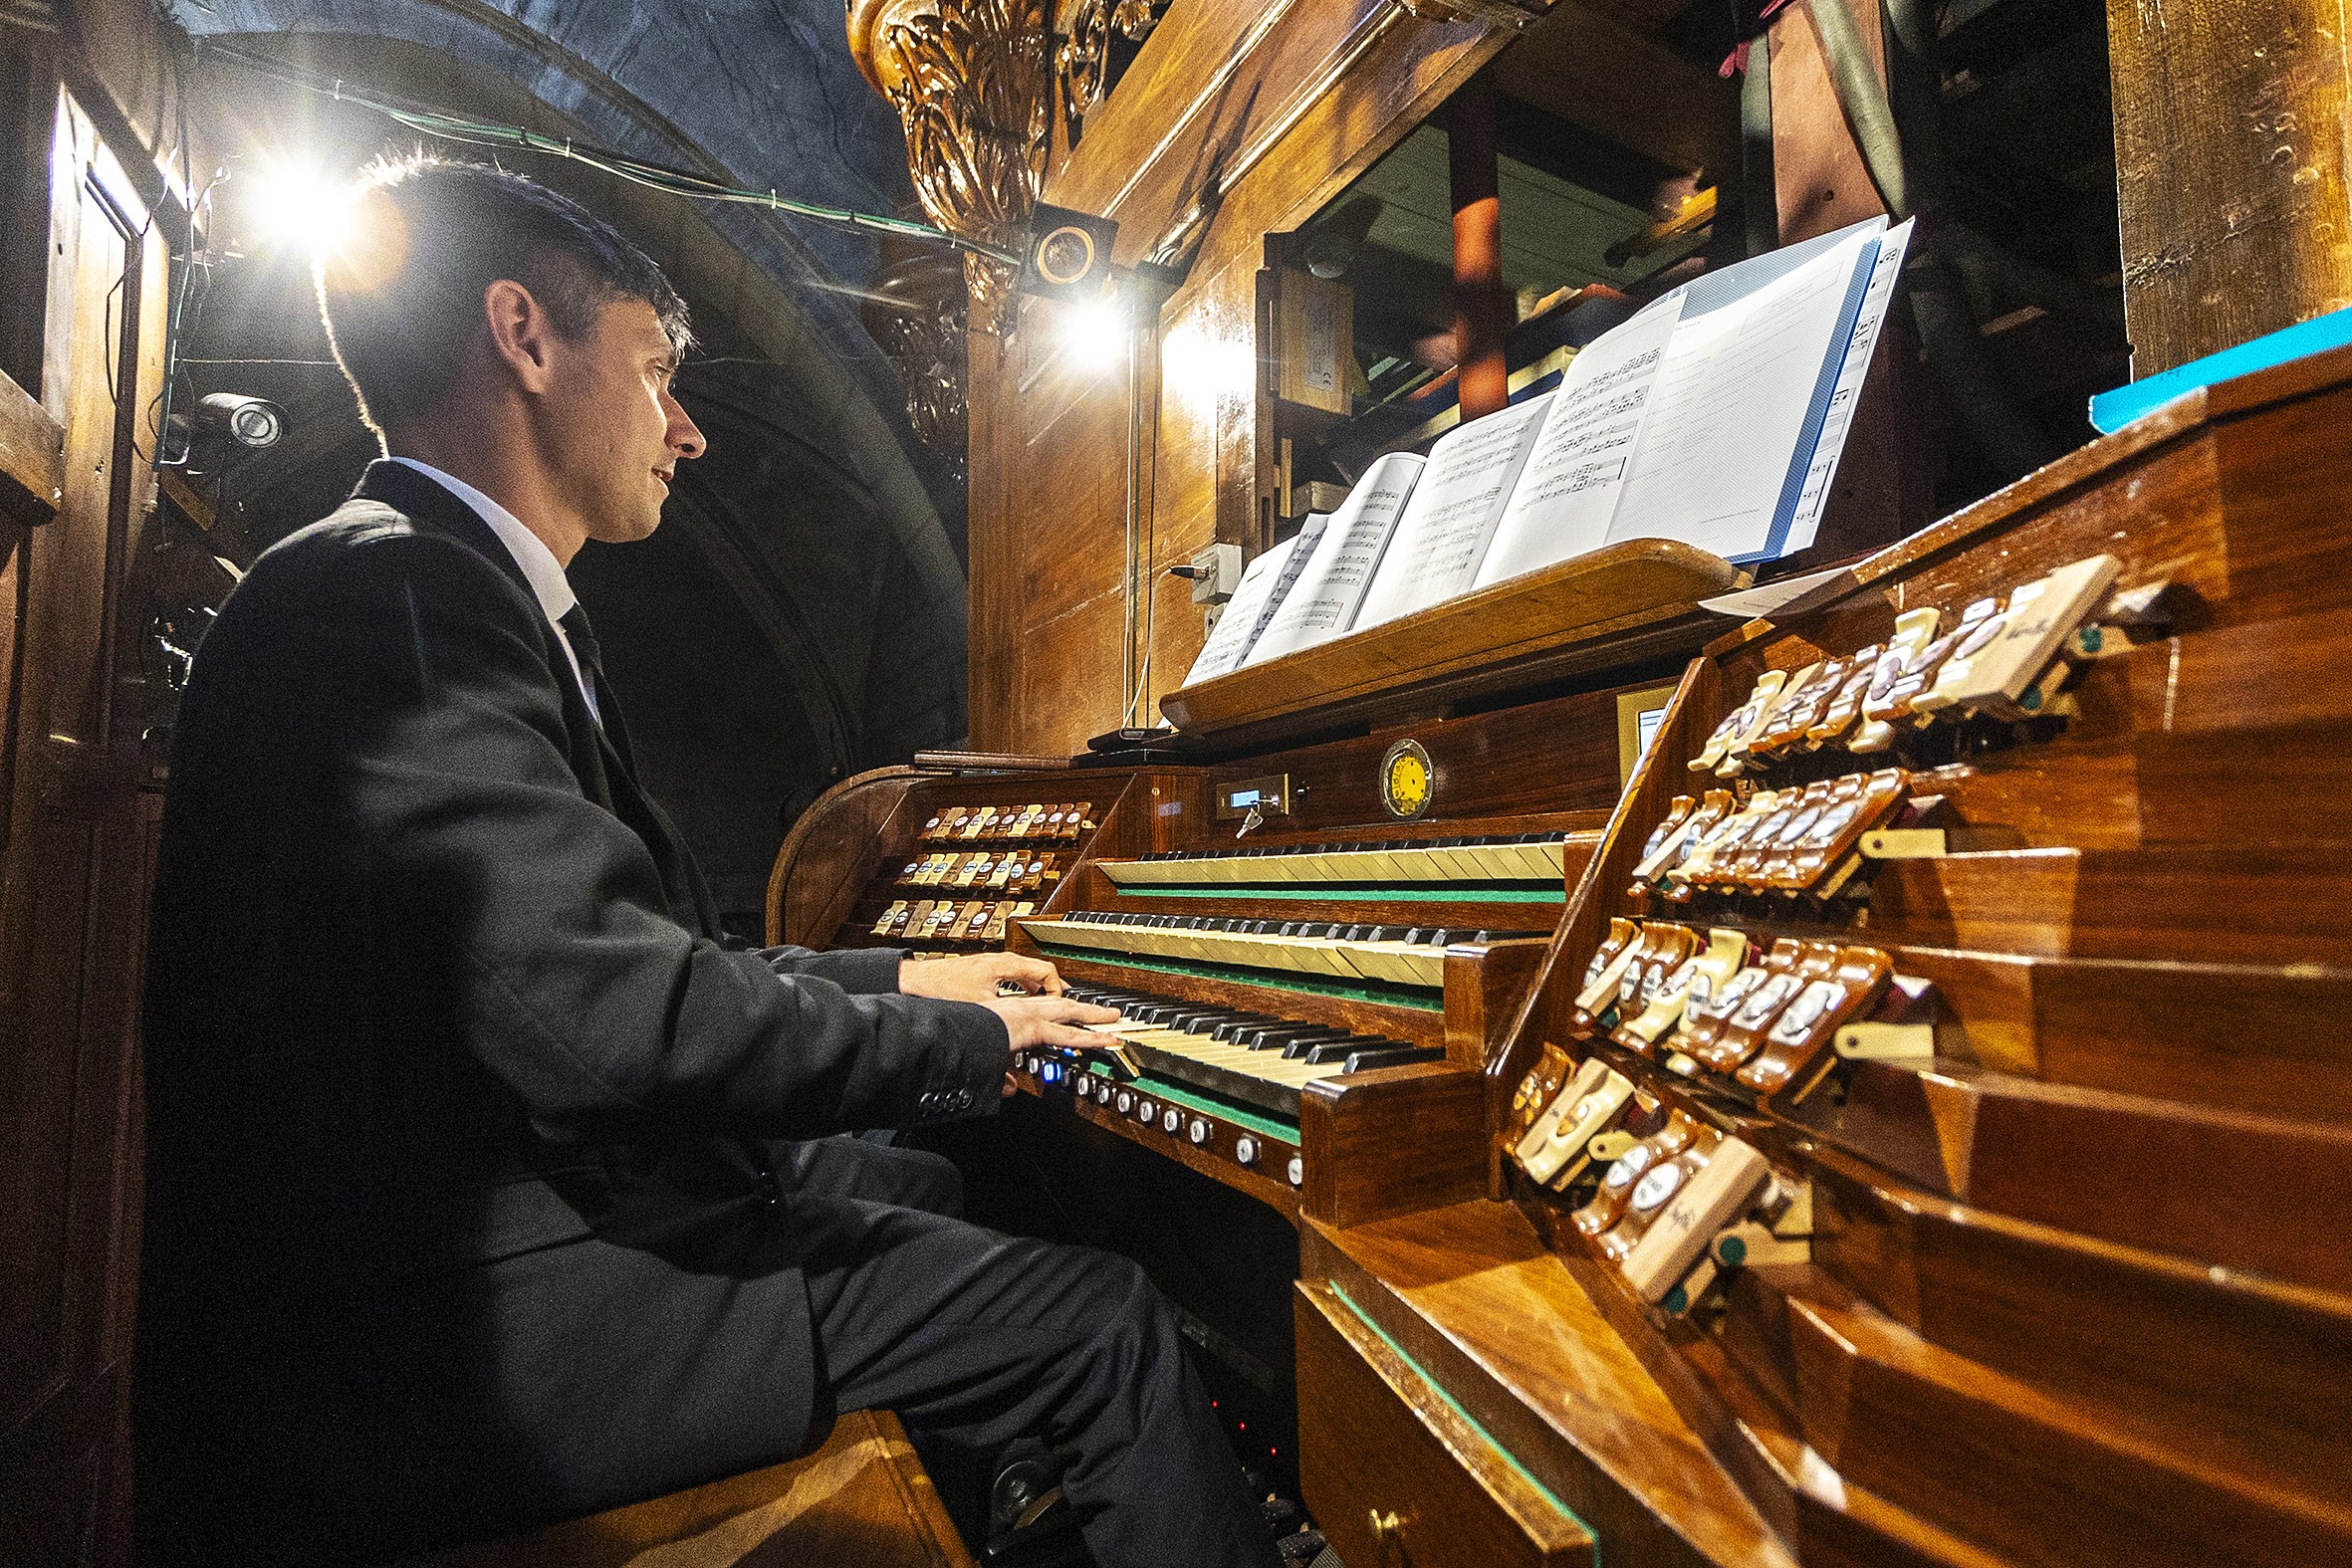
(1450, 517)
(1715, 416)
(1329, 589)
(1264, 584)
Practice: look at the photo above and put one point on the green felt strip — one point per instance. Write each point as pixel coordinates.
(1428, 999)
(1451, 893)
(1185, 1094)
(1454, 1405)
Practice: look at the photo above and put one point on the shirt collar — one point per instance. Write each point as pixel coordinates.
(539, 566)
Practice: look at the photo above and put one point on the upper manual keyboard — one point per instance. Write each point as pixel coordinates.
(1391, 954)
(1525, 857)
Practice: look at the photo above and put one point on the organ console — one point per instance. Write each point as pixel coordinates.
(1896, 1123)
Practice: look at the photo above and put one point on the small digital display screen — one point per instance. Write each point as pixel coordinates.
(1244, 797)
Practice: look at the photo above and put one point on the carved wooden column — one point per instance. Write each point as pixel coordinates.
(917, 314)
(972, 83)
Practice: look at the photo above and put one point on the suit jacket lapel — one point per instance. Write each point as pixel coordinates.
(429, 506)
(599, 754)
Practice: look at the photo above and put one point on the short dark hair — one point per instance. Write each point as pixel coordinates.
(403, 297)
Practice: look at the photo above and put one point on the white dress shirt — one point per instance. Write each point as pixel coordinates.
(539, 566)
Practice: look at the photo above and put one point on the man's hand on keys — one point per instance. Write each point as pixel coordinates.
(1033, 1021)
(978, 976)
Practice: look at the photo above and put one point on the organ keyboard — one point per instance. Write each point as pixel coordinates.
(1320, 989)
(1521, 858)
(1390, 955)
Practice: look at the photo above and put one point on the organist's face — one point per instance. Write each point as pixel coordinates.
(620, 430)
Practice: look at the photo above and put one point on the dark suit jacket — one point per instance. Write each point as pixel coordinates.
(460, 1209)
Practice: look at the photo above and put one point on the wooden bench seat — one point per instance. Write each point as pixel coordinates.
(860, 1501)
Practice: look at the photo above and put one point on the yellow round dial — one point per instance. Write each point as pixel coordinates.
(1405, 780)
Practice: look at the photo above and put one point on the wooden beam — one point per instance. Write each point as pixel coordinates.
(2231, 120)
(1822, 182)
(1595, 73)
(1482, 310)
(32, 457)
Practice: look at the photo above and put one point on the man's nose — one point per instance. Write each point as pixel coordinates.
(685, 438)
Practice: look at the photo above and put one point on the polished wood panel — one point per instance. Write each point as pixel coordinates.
(818, 874)
(1906, 1418)
(2230, 151)
(2244, 1383)
(2013, 1145)
(76, 854)
(1821, 180)
(862, 1500)
(1391, 1141)
(1481, 994)
(1471, 1292)
(32, 457)
(1397, 1476)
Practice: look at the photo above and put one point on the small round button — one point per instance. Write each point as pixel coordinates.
(1126, 1102)
(1083, 1086)
(1171, 1119)
(1198, 1132)
(1298, 1171)
(1245, 1149)
(1146, 1110)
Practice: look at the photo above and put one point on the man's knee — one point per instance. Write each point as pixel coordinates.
(875, 1173)
(933, 1183)
(1128, 1318)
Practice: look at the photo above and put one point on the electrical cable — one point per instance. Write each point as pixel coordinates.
(430, 121)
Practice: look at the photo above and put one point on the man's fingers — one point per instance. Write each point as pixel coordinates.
(1070, 1012)
(1034, 975)
(1066, 1036)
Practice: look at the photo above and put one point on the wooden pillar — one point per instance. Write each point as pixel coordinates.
(1822, 182)
(2232, 126)
(1482, 307)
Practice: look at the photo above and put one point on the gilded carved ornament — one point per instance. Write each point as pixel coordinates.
(971, 82)
(1084, 56)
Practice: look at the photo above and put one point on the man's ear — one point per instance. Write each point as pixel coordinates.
(521, 335)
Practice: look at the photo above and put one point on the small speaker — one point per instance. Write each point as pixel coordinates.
(1068, 254)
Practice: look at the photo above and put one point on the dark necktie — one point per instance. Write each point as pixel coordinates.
(681, 880)
(607, 708)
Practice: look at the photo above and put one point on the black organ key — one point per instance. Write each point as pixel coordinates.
(1392, 1054)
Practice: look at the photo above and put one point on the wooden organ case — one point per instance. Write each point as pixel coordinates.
(1984, 1203)
(1894, 1119)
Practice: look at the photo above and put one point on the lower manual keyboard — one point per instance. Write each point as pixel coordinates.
(1389, 955)
(1248, 1057)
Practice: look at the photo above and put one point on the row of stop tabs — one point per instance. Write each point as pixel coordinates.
(1678, 1202)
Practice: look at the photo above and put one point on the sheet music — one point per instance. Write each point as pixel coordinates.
(1569, 488)
(1840, 416)
(1729, 406)
(1443, 533)
(1255, 599)
(1323, 601)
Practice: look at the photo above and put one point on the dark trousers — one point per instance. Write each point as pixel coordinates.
(977, 1339)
